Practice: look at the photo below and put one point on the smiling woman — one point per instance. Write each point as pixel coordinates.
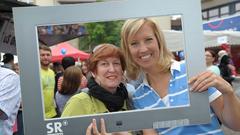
(165, 80)
(106, 92)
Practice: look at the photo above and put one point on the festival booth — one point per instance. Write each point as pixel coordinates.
(175, 39)
(65, 49)
(214, 40)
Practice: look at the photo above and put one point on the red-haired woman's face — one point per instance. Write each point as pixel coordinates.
(109, 73)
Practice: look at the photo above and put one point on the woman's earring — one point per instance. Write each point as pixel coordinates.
(98, 81)
(92, 74)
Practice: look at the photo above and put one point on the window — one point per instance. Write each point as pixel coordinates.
(204, 15)
(237, 7)
(224, 10)
(213, 13)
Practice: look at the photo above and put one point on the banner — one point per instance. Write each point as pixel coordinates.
(231, 23)
(7, 38)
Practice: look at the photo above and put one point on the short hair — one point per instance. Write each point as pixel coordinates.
(221, 53)
(7, 57)
(57, 64)
(129, 29)
(211, 52)
(71, 80)
(67, 62)
(214, 55)
(104, 51)
(44, 47)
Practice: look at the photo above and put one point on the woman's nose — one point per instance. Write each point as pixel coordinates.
(111, 67)
(143, 47)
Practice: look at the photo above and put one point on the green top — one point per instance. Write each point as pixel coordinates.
(83, 104)
(48, 81)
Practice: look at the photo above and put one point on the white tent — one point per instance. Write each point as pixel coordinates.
(175, 42)
(214, 38)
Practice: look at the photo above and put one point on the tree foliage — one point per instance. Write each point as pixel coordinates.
(101, 32)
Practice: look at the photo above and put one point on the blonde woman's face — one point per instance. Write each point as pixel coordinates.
(144, 47)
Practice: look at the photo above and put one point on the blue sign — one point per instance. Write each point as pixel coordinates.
(232, 23)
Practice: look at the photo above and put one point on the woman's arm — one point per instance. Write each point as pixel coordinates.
(227, 106)
(227, 109)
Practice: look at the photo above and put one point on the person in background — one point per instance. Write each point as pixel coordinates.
(70, 86)
(144, 47)
(84, 67)
(67, 62)
(10, 98)
(48, 81)
(8, 60)
(210, 57)
(58, 70)
(225, 70)
(106, 92)
(221, 53)
(16, 68)
(19, 124)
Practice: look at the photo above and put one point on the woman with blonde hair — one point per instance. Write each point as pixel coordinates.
(165, 81)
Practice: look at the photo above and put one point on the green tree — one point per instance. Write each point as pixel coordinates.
(101, 32)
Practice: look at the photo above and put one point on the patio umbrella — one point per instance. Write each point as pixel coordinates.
(65, 49)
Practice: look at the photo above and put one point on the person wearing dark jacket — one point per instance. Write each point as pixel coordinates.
(225, 71)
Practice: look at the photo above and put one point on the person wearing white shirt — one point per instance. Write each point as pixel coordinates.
(9, 100)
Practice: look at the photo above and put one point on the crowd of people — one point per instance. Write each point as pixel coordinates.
(72, 29)
(142, 73)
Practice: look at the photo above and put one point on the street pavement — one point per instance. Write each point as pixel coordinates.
(236, 86)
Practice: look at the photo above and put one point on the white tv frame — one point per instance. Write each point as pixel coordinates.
(26, 20)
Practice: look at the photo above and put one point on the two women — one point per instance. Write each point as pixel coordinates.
(164, 81)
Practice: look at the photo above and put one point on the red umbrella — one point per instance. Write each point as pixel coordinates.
(65, 49)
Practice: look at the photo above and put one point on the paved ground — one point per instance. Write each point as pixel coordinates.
(236, 85)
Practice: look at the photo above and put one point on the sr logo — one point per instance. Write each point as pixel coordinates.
(55, 128)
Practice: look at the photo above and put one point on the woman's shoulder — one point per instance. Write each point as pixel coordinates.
(214, 69)
(179, 67)
(81, 96)
(78, 104)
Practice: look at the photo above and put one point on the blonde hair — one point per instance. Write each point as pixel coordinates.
(129, 30)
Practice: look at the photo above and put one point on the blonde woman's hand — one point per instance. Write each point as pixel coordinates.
(204, 80)
(92, 128)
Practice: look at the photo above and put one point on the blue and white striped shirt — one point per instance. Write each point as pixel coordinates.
(145, 98)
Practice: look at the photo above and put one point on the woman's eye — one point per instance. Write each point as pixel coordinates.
(103, 63)
(149, 39)
(134, 44)
(117, 63)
